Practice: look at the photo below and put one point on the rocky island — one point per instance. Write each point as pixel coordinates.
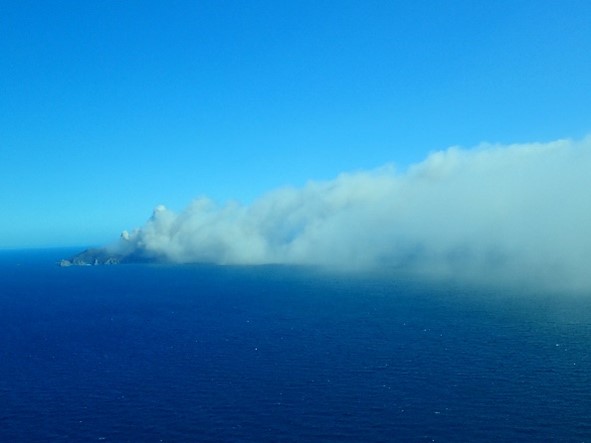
(103, 256)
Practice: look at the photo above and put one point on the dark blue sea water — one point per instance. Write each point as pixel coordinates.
(147, 353)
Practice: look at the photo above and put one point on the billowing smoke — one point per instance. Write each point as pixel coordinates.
(518, 214)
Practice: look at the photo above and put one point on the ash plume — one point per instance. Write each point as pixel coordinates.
(496, 213)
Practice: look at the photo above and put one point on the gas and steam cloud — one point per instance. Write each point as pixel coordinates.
(511, 214)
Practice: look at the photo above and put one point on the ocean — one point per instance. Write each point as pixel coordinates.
(201, 353)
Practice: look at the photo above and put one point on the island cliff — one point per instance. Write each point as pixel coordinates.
(102, 256)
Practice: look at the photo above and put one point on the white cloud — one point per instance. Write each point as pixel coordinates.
(509, 214)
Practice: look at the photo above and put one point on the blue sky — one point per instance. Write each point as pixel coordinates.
(111, 108)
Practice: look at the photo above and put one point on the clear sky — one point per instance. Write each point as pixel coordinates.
(110, 108)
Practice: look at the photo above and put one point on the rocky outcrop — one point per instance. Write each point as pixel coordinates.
(92, 257)
(102, 256)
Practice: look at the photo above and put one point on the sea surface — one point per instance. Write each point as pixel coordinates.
(199, 353)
